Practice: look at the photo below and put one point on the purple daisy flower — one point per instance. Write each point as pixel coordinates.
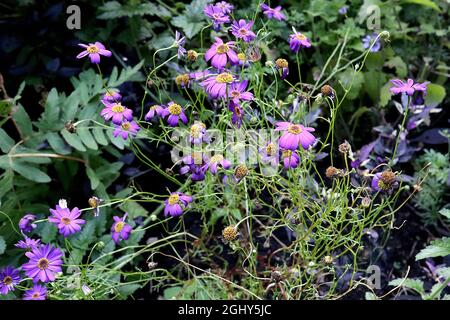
(28, 243)
(174, 113)
(197, 133)
(408, 87)
(274, 13)
(195, 164)
(375, 180)
(45, 262)
(94, 50)
(298, 40)
(217, 16)
(67, 221)
(154, 111)
(216, 85)
(126, 129)
(226, 7)
(176, 203)
(179, 43)
(117, 112)
(243, 61)
(290, 159)
(199, 75)
(120, 230)
(238, 113)
(237, 92)
(9, 278)
(38, 292)
(294, 135)
(26, 223)
(217, 161)
(243, 30)
(220, 53)
(367, 42)
(283, 65)
(111, 95)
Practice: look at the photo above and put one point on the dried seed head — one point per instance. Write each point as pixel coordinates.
(327, 90)
(328, 259)
(388, 177)
(69, 125)
(230, 233)
(276, 276)
(152, 265)
(93, 202)
(240, 172)
(192, 55)
(281, 63)
(333, 172)
(345, 147)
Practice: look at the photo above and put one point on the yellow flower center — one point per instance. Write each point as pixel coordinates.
(300, 36)
(7, 280)
(92, 49)
(281, 63)
(270, 149)
(175, 109)
(182, 79)
(117, 108)
(43, 263)
(217, 158)
(241, 171)
(286, 153)
(224, 78)
(173, 199)
(295, 129)
(241, 56)
(196, 129)
(93, 202)
(126, 126)
(65, 220)
(119, 226)
(222, 48)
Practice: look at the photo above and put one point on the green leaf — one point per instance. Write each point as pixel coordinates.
(445, 213)
(385, 95)
(414, 284)
(23, 121)
(172, 292)
(426, 3)
(87, 138)
(93, 178)
(99, 135)
(400, 66)
(126, 290)
(30, 172)
(2, 245)
(50, 117)
(192, 20)
(352, 81)
(6, 142)
(435, 94)
(438, 248)
(134, 209)
(83, 239)
(48, 232)
(57, 143)
(73, 140)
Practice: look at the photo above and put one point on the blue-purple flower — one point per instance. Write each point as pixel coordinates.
(94, 50)
(179, 43)
(174, 113)
(220, 53)
(343, 10)
(195, 165)
(295, 135)
(155, 110)
(217, 16)
(45, 262)
(26, 223)
(176, 203)
(237, 92)
(368, 40)
(226, 7)
(112, 95)
(238, 113)
(216, 85)
(126, 129)
(243, 30)
(120, 230)
(38, 292)
(197, 133)
(290, 158)
(65, 219)
(217, 161)
(9, 278)
(274, 13)
(28, 243)
(383, 180)
(408, 87)
(298, 40)
(117, 112)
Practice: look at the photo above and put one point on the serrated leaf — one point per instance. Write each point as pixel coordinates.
(438, 248)
(85, 237)
(134, 209)
(48, 232)
(87, 138)
(414, 284)
(73, 140)
(400, 66)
